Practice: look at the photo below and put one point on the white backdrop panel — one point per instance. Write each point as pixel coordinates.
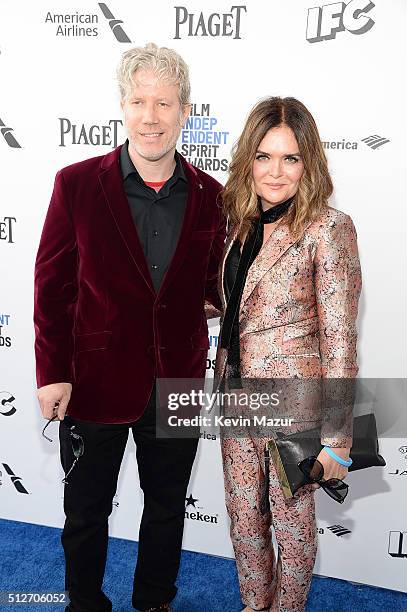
(353, 83)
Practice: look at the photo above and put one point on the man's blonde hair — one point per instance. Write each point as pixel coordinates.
(166, 63)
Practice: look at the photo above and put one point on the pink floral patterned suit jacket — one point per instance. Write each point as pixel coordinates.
(298, 315)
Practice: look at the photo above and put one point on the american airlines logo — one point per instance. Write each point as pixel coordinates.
(115, 24)
(397, 544)
(8, 136)
(376, 141)
(324, 22)
(76, 24)
(16, 480)
(338, 530)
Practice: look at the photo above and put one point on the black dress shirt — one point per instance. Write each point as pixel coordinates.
(158, 216)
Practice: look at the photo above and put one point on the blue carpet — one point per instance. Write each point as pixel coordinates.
(31, 560)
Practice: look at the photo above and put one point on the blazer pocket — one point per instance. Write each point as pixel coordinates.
(94, 341)
(301, 337)
(203, 234)
(200, 341)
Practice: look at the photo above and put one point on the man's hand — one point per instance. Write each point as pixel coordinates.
(54, 399)
(333, 469)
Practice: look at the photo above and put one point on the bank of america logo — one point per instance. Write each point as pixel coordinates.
(376, 141)
(338, 530)
(397, 544)
(8, 136)
(114, 24)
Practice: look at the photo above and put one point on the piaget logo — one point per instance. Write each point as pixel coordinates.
(7, 229)
(71, 133)
(212, 24)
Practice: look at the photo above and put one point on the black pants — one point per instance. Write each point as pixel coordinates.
(164, 469)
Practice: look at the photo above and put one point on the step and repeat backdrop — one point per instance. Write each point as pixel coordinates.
(59, 103)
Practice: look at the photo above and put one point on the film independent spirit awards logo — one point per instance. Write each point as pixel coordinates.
(77, 24)
(5, 339)
(325, 22)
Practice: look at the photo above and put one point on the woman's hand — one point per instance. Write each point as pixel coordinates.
(333, 469)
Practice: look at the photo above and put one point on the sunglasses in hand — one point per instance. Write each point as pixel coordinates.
(77, 443)
(313, 470)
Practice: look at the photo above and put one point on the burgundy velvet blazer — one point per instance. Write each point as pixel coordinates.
(99, 323)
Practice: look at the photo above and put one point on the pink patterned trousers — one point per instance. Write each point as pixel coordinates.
(282, 583)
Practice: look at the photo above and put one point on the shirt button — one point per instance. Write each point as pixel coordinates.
(154, 267)
(155, 233)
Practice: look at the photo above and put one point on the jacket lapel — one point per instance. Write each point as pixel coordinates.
(277, 244)
(111, 180)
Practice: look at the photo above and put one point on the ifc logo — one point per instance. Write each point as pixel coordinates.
(325, 21)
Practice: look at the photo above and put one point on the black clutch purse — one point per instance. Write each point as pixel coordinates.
(287, 450)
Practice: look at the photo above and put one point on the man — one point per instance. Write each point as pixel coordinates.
(129, 253)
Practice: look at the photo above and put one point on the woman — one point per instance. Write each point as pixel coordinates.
(291, 275)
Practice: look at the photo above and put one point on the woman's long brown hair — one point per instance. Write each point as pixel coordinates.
(239, 197)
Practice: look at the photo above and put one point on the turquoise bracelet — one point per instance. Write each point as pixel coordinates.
(337, 458)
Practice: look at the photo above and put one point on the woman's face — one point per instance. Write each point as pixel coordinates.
(277, 167)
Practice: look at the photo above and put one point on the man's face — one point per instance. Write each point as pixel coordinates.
(153, 116)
